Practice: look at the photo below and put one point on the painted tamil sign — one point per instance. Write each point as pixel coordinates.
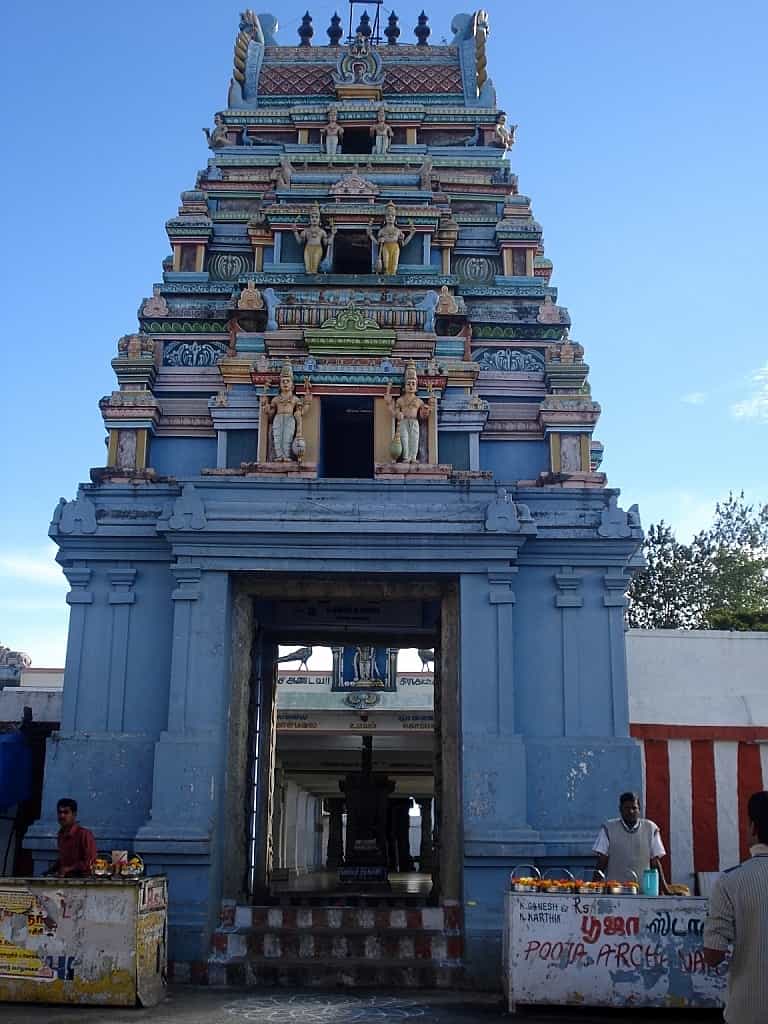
(608, 951)
(294, 720)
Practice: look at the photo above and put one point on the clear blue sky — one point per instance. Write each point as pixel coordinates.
(642, 143)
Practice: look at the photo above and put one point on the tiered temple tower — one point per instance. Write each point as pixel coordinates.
(353, 383)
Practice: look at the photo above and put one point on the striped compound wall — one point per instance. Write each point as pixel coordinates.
(697, 780)
(699, 706)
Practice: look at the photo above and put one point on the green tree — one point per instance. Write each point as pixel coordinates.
(667, 593)
(734, 558)
(718, 581)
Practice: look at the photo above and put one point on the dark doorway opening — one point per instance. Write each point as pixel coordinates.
(351, 253)
(357, 140)
(346, 445)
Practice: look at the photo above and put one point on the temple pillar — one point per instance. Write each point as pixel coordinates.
(335, 852)
(425, 846)
(400, 809)
(181, 836)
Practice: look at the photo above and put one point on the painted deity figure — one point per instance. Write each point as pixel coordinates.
(407, 410)
(332, 133)
(503, 134)
(218, 137)
(364, 665)
(446, 304)
(381, 132)
(390, 239)
(285, 412)
(250, 297)
(425, 174)
(315, 240)
(281, 175)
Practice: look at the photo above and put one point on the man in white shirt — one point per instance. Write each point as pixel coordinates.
(738, 917)
(629, 845)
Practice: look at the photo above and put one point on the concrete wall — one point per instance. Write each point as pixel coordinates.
(697, 677)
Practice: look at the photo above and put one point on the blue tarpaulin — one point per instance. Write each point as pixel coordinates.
(15, 770)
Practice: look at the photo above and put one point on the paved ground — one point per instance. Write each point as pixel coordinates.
(202, 1006)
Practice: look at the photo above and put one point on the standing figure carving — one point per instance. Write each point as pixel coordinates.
(285, 412)
(390, 239)
(315, 239)
(332, 133)
(407, 410)
(381, 132)
(364, 666)
(425, 174)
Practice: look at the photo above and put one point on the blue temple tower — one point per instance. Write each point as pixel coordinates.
(351, 411)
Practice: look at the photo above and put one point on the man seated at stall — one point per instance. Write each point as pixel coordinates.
(630, 844)
(77, 846)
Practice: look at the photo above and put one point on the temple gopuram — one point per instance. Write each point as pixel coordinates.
(351, 418)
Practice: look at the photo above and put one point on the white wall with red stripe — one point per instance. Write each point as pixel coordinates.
(699, 706)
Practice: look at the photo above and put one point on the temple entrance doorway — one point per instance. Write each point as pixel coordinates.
(351, 253)
(351, 419)
(354, 770)
(357, 140)
(344, 739)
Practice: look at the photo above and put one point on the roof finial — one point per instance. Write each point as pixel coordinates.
(335, 30)
(392, 31)
(305, 30)
(422, 30)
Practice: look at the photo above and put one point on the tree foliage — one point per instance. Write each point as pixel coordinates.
(718, 581)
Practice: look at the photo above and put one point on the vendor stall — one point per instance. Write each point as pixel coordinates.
(83, 940)
(606, 950)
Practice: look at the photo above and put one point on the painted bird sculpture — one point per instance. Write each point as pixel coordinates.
(301, 654)
(427, 656)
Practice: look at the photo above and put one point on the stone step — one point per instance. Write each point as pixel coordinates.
(331, 974)
(340, 918)
(396, 945)
(347, 898)
(329, 946)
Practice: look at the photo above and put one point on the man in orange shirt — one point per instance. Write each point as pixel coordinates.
(77, 847)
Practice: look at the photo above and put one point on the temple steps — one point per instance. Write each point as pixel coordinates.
(330, 946)
(370, 900)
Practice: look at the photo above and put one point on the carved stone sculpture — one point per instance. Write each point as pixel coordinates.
(315, 239)
(156, 306)
(407, 410)
(429, 305)
(332, 133)
(425, 174)
(446, 304)
(381, 132)
(218, 137)
(250, 297)
(390, 240)
(281, 175)
(549, 312)
(504, 135)
(285, 412)
(136, 346)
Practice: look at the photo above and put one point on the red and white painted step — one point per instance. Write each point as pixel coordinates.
(333, 945)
